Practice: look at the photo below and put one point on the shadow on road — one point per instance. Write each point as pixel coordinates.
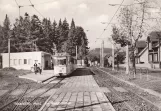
(81, 72)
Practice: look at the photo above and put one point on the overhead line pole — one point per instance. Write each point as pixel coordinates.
(9, 49)
(101, 52)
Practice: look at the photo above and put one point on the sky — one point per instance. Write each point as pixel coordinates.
(86, 13)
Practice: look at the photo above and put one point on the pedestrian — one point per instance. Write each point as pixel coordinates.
(40, 67)
(35, 67)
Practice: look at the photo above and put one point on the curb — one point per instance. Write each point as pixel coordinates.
(42, 81)
(47, 79)
(29, 79)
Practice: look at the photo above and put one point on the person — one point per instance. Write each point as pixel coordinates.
(52, 65)
(40, 68)
(35, 68)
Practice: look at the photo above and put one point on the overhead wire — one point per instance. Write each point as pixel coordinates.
(17, 3)
(32, 5)
(41, 3)
(112, 18)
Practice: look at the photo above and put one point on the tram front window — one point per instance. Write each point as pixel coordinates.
(61, 62)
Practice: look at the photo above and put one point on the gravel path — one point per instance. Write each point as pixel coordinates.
(133, 99)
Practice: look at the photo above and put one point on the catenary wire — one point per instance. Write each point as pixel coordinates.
(112, 18)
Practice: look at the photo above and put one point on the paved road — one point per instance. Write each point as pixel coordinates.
(79, 93)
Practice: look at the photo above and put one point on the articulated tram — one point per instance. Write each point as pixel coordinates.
(64, 64)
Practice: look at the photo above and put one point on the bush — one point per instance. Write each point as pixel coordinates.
(8, 69)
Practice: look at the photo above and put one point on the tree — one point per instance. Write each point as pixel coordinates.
(72, 24)
(131, 27)
(81, 42)
(32, 34)
(64, 35)
(58, 36)
(71, 42)
(5, 31)
(54, 38)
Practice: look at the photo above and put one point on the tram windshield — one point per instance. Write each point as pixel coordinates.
(61, 62)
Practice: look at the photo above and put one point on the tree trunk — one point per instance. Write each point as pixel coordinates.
(117, 62)
(134, 66)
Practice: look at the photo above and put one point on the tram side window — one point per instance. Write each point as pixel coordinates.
(62, 62)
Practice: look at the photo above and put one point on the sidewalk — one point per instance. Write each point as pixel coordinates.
(39, 77)
(79, 93)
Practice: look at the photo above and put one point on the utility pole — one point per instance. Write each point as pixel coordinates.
(113, 56)
(159, 51)
(9, 35)
(9, 51)
(102, 53)
(76, 52)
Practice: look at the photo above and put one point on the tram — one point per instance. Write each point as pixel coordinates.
(64, 64)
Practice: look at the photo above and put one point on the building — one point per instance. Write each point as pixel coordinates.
(0, 61)
(150, 55)
(154, 54)
(141, 52)
(26, 60)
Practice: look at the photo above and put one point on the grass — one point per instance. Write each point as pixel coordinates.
(150, 81)
(13, 72)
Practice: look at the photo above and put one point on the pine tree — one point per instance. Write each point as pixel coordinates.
(81, 42)
(64, 35)
(71, 42)
(72, 24)
(1, 38)
(58, 36)
(5, 31)
(31, 34)
(60, 23)
(54, 37)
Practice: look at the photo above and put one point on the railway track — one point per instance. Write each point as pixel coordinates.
(14, 107)
(130, 100)
(38, 96)
(4, 96)
(16, 99)
(114, 98)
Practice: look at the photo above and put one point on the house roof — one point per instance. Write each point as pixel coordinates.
(141, 44)
(154, 35)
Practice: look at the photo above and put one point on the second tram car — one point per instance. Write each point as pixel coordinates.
(63, 64)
